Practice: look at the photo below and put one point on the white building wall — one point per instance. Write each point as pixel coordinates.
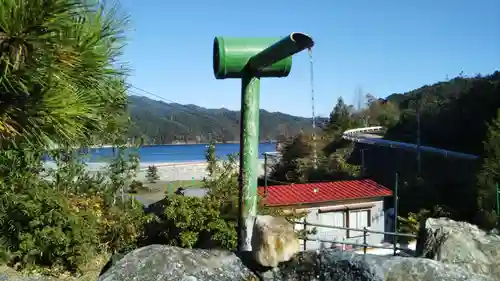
(337, 218)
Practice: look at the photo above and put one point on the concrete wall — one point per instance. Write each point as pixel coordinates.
(337, 217)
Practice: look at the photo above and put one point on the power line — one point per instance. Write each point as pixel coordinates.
(151, 94)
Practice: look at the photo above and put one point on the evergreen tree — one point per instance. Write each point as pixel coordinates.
(339, 117)
(152, 174)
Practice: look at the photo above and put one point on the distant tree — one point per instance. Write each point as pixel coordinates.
(380, 112)
(287, 169)
(340, 117)
(152, 174)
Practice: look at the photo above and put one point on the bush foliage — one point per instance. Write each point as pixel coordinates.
(63, 218)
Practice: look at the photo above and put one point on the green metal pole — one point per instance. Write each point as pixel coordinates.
(498, 200)
(265, 170)
(395, 237)
(265, 177)
(249, 157)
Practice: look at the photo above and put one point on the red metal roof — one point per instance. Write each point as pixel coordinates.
(295, 194)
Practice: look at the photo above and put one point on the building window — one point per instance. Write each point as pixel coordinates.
(357, 219)
(338, 219)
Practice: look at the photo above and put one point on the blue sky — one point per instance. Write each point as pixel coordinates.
(382, 47)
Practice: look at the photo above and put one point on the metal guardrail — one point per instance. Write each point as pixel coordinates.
(363, 130)
(354, 135)
(365, 231)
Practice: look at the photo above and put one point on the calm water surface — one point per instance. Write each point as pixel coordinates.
(177, 153)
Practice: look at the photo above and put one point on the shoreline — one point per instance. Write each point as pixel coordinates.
(177, 144)
(106, 146)
(167, 171)
(145, 165)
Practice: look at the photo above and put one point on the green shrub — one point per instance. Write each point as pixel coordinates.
(136, 186)
(62, 219)
(42, 226)
(122, 226)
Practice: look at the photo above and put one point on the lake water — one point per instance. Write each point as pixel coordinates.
(177, 153)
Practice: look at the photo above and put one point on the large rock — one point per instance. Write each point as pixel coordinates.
(334, 265)
(462, 244)
(459, 252)
(163, 263)
(273, 241)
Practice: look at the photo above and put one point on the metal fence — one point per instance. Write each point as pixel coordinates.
(365, 232)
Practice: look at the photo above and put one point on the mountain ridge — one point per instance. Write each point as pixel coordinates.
(163, 123)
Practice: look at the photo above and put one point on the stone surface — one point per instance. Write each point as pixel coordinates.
(461, 244)
(162, 263)
(334, 265)
(273, 241)
(458, 252)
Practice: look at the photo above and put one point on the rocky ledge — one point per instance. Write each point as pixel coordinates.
(450, 251)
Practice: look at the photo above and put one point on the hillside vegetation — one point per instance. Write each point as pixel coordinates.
(162, 122)
(460, 114)
(454, 114)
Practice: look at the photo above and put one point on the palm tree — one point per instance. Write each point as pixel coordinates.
(62, 81)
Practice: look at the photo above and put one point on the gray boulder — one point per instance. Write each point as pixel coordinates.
(158, 262)
(162, 263)
(334, 265)
(462, 244)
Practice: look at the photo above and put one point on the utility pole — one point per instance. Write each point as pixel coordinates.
(360, 99)
(363, 167)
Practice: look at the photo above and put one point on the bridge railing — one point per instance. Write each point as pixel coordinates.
(354, 135)
(353, 132)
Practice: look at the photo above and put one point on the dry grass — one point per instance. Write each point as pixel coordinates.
(165, 186)
(158, 190)
(90, 272)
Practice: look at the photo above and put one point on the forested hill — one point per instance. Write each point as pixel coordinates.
(163, 122)
(454, 114)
